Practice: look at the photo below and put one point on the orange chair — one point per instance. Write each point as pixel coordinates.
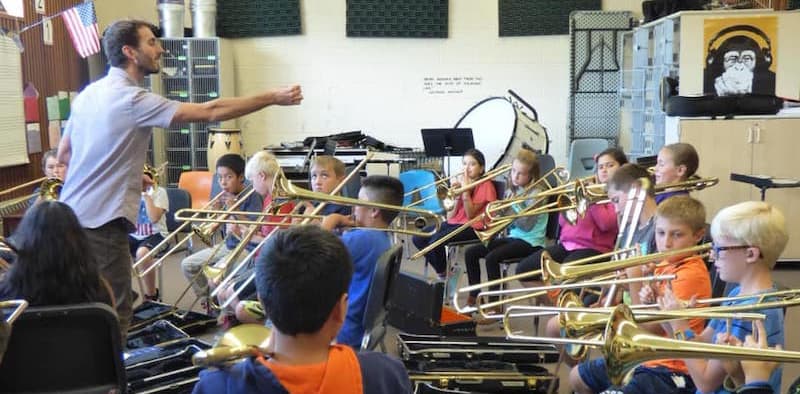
(198, 184)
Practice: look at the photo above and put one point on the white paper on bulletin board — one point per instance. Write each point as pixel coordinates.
(14, 149)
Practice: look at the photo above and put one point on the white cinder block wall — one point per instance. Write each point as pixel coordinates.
(377, 85)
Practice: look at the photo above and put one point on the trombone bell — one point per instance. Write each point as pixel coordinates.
(627, 346)
(241, 341)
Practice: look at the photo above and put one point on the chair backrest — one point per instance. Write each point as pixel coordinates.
(581, 155)
(546, 164)
(64, 348)
(380, 290)
(499, 188)
(178, 199)
(198, 184)
(415, 179)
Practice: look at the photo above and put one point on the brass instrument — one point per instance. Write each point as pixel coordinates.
(206, 231)
(578, 321)
(627, 346)
(5, 325)
(584, 195)
(629, 222)
(19, 307)
(280, 176)
(482, 306)
(441, 190)
(22, 186)
(49, 190)
(285, 189)
(181, 215)
(245, 340)
(553, 271)
(165, 242)
(486, 177)
(5, 247)
(531, 274)
(560, 174)
(495, 227)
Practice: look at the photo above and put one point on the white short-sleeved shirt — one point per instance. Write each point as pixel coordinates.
(109, 130)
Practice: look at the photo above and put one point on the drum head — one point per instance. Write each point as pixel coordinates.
(492, 122)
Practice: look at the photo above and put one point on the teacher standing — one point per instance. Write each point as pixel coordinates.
(106, 139)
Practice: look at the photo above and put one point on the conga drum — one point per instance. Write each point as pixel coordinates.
(221, 142)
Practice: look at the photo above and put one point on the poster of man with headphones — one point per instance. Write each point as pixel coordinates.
(740, 55)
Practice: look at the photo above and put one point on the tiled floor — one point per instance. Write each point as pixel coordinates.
(174, 283)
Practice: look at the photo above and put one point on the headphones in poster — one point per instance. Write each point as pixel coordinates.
(766, 49)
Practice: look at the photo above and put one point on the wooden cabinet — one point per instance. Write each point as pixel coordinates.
(757, 146)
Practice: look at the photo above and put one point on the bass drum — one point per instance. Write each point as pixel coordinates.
(222, 142)
(500, 129)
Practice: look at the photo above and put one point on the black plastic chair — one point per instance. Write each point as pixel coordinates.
(64, 349)
(178, 199)
(380, 290)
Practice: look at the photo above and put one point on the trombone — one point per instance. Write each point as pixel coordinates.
(553, 271)
(19, 307)
(181, 215)
(441, 191)
(480, 216)
(165, 242)
(625, 345)
(224, 283)
(49, 190)
(530, 274)
(285, 189)
(206, 232)
(244, 340)
(22, 186)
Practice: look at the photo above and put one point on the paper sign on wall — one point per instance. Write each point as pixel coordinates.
(54, 133)
(47, 32)
(40, 7)
(34, 136)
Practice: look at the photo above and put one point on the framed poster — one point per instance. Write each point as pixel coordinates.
(740, 55)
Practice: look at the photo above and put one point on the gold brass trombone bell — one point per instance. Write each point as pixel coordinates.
(244, 340)
(626, 346)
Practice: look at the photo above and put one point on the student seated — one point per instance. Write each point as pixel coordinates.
(302, 276)
(53, 265)
(151, 228)
(680, 223)
(643, 238)
(525, 235)
(51, 169)
(675, 163)
(365, 246)
(230, 171)
(260, 170)
(468, 205)
(757, 373)
(748, 239)
(325, 174)
(591, 235)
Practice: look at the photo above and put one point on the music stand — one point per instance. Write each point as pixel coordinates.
(447, 142)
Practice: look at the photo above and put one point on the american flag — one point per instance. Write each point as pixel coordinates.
(82, 25)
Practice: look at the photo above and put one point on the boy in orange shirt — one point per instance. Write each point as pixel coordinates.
(680, 223)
